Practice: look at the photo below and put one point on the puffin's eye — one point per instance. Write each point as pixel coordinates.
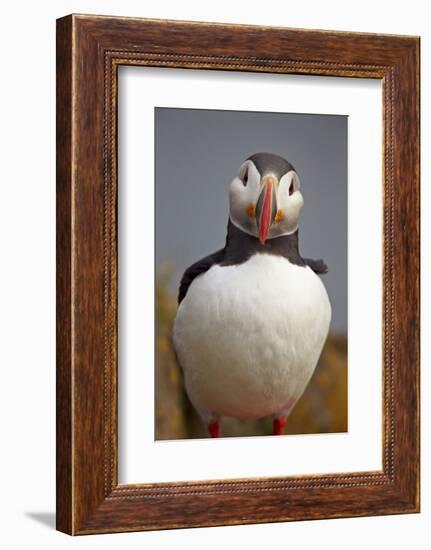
(244, 178)
(291, 188)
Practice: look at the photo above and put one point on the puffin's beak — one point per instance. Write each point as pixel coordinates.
(266, 207)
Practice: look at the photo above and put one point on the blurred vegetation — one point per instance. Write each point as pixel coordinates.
(322, 408)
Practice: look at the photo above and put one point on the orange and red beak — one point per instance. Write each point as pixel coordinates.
(266, 207)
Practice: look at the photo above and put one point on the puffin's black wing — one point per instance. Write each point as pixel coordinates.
(196, 269)
(318, 266)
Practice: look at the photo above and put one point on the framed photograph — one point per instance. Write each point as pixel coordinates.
(237, 274)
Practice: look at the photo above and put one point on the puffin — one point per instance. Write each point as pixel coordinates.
(253, 317)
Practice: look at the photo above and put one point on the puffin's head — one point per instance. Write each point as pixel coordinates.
(265, 200)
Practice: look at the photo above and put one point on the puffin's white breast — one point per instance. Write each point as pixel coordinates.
(248, 337)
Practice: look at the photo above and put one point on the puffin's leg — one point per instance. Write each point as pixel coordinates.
(279, 423)
(214, 427)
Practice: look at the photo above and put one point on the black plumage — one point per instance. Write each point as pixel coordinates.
(240, 246)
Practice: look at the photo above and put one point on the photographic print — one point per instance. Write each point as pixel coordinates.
(251, 273)
(235, 240)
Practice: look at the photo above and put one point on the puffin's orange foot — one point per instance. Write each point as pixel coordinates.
(279, 424)
(214, 428)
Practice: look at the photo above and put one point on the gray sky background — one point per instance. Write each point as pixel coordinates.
(198, 153)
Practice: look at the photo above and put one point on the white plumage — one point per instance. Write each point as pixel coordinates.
(249, 336)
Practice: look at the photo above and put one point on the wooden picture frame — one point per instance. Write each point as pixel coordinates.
(89, 51)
